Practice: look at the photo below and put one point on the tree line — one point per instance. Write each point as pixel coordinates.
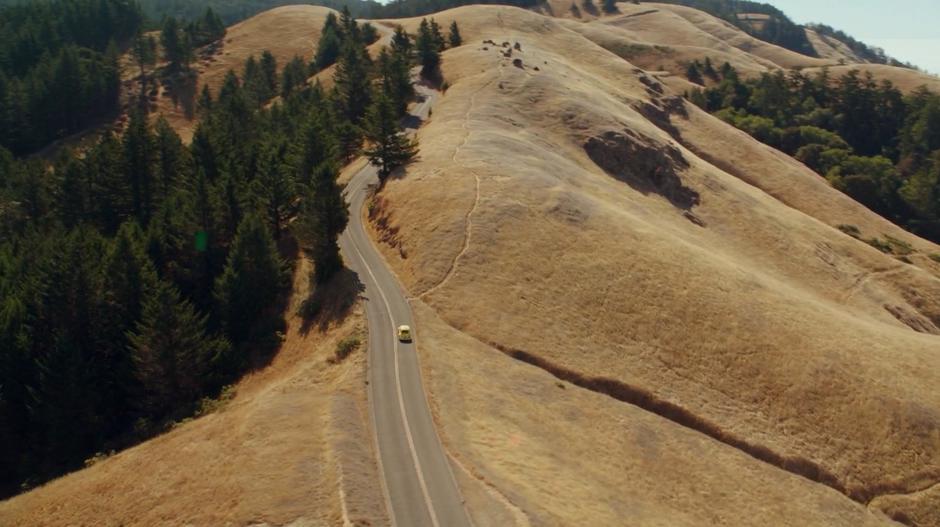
(778, 29)
(231, 11)
(868, 139)
(144, 275)
(59, 67)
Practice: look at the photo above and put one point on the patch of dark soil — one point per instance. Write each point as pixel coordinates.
(645, 165)
(661, 109)
(641, 13)
(912, 320)
(651, 84)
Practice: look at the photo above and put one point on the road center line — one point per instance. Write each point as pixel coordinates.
(401, 398)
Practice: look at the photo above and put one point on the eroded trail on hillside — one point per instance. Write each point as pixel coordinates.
(468, 220)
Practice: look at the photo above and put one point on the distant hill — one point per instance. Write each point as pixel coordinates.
(760, 20)
(233, 11)
(860, 49)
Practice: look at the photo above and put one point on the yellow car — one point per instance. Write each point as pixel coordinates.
(404, 333)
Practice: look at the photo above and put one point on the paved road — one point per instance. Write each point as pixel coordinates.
(419, 484)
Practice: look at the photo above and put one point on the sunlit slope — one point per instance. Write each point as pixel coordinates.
(561, 214)
(831, 48)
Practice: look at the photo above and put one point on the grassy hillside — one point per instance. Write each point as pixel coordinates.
(574, 223)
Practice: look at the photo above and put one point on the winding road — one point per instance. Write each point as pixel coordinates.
(419, 486)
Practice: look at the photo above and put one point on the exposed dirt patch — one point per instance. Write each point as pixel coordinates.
(646, 166)
(912, 320)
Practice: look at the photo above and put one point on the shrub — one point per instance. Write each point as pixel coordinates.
(880, 245)
(208, 405)
(851, 230)
(899, 246)
(346, 346)
(891, 245)
(311, 307)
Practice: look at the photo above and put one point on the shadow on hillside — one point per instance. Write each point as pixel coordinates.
(180, 87)
(412, 121)
(647, 166)
(400, 172)
(332, 301)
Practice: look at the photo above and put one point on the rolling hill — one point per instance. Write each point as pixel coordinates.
(571, 214)
(626, 309)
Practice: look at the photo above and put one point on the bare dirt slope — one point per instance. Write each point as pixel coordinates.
(571, 213)
(294, 445)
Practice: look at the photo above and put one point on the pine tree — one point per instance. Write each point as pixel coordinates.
(204, 104)
(269, 73)
(323, 216)
(352, 81)
(693, 74)
(207, 29)
(277, 186)
(171, 158)
(172, 352)
(368, 34)
(401, 43)
(323, 212)
(177, 47)
(66, 400)
(138, 166)
(396, 80)
(144, 51)
(437, 36)
(75, 200)
(251, 281)
(428, 51)
(454, 38)
(294, 76)
(256, 86)
(709, 69)
(112, 190)
(390, 147)
(349, 27)
(330, 43)
(204, 152)
(131, 279)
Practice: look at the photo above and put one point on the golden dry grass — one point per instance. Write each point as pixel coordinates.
(565, 456)
(760, 317)
(296, 434)
(830, 48)
(668, 37)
